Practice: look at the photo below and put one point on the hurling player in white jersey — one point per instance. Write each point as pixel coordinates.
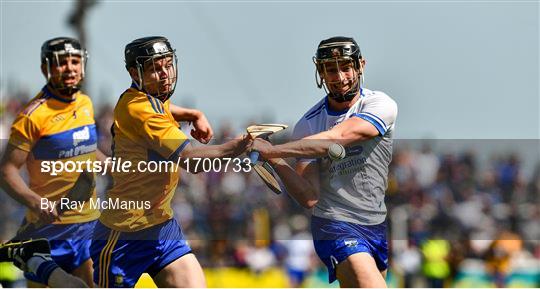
(346, 195)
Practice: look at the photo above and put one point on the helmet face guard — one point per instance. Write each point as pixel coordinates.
(334, 55)
(156, 55)
(52, 53)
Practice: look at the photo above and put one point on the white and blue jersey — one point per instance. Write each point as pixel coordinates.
(352, 189)
(350, 215)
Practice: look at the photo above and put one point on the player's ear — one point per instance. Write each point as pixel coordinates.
(44, 69)
(362, 64)
(133, 73)
(320, 69)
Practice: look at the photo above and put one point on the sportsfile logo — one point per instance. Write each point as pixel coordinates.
(118, 165)
(81, 136)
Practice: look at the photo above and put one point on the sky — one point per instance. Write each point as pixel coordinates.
(457, 69)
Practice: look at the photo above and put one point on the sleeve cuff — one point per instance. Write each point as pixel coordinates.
(20, 144)
(381, 127)
(176, 154)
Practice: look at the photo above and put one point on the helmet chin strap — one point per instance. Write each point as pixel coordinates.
(349, 95)
(164, 97)
(161, 96)
(68, 90)
(65, 90)
(338, 97)
(343, 97)
(139, 84)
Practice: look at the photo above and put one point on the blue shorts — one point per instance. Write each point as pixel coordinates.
(120, 258)
(70, 243)
(336, 240)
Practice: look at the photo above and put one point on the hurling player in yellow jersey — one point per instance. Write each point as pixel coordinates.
(137, 232)
(57, 125)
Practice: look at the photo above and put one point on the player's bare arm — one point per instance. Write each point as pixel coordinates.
(302, 183)
(230, 149)
(100, 156)
(12, 182)
(184, 114)
(159, 132)
(202, 130)
(350, 131)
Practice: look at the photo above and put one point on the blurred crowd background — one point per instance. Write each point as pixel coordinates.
(456, 219)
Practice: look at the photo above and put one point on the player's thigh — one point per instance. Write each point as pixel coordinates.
(359, 270)
(85, 272)
(183, 272)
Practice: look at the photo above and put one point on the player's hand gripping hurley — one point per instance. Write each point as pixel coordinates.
(264, 170)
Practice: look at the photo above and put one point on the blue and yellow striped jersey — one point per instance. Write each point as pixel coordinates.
(144, 130)
(54, 129)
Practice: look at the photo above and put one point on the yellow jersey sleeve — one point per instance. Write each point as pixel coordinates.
(24, 133)
(86, 106)
(163, 136)
(152, 121)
